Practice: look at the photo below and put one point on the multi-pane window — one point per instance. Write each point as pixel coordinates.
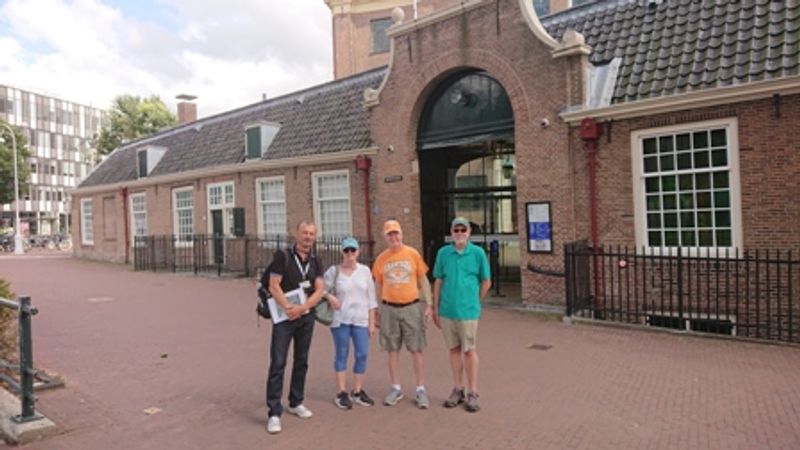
(183, 213)
(87, 228)
(332, 203)
(220, 194)
(688, 193)
(542, 7)
(271, 206)
(380, 42)
(138, 215)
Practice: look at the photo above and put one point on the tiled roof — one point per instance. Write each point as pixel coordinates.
(323, 119)
(677, 46)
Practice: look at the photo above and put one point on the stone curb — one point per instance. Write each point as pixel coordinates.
(20, 433)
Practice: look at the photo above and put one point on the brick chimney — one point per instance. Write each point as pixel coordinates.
(187, 109)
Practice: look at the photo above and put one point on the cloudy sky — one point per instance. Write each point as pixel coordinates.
(227, 52)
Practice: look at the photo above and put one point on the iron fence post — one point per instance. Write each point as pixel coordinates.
(568, 279)
(246, 256)
(680, 285)
(221, 248)
(153, 254)
(26, 361)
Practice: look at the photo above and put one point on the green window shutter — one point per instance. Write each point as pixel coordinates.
(253, 143)
(141, 157)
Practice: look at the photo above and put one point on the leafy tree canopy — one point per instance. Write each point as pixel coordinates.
(132, 117)
(7, 163)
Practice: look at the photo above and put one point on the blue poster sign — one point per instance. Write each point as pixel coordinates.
(540, 227)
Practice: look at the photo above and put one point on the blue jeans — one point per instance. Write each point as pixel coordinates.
(341, 343)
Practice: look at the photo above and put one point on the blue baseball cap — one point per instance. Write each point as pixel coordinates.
(349, 243)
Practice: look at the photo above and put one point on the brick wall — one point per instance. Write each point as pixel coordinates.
(537, 86)
(299, 200)
(352, 35)
(551, 163)
(768, 164)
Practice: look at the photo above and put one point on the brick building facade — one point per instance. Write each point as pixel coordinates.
(359, 27)
(696, 118)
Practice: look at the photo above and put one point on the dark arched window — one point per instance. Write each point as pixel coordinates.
(468, 107)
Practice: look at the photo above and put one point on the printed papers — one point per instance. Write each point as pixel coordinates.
(295, 297)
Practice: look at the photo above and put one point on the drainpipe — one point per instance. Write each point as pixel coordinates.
(363, 163)
(124, 192)
(590, 134)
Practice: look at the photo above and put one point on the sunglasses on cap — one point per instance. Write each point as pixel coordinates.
(349, 250)
(459, 230)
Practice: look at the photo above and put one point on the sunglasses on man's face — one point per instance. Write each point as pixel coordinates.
(349, 250)
(459, 230)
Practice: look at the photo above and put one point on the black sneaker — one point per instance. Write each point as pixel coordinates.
(342, 401)
(456, 398)
(362, 398)
(472, 404)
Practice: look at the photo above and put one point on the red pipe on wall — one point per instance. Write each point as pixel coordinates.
(363, 163)
(124, 192)
(591, 150)
(590, 133)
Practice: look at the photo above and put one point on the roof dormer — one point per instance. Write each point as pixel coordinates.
(257, 138)
(147, 158)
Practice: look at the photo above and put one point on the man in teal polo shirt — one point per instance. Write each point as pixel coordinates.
(462, 280)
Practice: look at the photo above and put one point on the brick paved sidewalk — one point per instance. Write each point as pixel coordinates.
(105, 329)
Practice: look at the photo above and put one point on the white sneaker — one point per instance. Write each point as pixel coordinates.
(274, 425)
(301, 411)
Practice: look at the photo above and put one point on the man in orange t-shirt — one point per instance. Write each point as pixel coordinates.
(400, 282)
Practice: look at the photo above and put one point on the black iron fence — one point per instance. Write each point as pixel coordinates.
(751, 294)
(241, 256)
(25, 367)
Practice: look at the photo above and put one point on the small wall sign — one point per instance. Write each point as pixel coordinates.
(540, 227)
(393, 179)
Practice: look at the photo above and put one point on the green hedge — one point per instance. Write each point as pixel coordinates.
(8, 326)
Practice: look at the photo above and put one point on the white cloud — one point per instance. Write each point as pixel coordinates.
(226, 52)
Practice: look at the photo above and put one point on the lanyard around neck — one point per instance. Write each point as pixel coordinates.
(303, 271)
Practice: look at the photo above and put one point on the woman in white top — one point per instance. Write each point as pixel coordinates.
(351, 293)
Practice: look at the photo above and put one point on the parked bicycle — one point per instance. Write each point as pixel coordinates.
(60, 241)
(38, 241)
(7, 243)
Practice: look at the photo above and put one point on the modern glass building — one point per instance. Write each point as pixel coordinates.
(60, 135)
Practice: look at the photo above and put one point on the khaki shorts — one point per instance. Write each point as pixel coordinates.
(460, 333)
(403, 324)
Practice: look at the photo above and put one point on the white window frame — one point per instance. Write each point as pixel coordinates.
(133, 214)
(226, 206)
(87, 222)
(261, 204)
(638, 177)
(180, 241)
(315, 177)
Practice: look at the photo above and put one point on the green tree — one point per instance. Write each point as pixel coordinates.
(132, 117)
(7, 163)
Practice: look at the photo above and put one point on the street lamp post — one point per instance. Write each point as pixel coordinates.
(17, 237)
